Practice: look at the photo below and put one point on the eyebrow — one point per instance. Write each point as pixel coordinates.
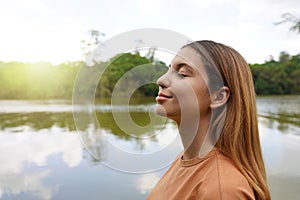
(180, 65)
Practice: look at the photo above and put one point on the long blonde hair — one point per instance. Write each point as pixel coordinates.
(239, 138)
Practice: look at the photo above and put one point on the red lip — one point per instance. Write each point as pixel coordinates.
(162, 97)
(161, 94)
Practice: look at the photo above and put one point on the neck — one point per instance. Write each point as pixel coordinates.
(192, 137)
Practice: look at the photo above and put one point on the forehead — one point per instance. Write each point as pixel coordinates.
(189, 56)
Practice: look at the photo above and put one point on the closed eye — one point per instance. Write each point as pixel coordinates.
(182, 72)
(182, 69)
(182, 75)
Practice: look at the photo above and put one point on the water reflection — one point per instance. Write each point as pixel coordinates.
(280, 151)
(42, 158)
(280, 113)
(20, 122)
(280, 154)
(92, 131)
(147, 181)
(20, 150)
(17, 184)
(279, 125)
(286, 123)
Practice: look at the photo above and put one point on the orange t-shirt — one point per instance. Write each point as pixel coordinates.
(211, 177)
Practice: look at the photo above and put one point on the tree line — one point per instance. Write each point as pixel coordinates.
(44, 80)
(47, 81)
(277, 77)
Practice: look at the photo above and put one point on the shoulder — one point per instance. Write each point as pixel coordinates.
(220, 179)
(232, 183)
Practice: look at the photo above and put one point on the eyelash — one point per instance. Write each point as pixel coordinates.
(181, 75)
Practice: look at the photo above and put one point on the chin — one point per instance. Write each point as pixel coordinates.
(160, 110)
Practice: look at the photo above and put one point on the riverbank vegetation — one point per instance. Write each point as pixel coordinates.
(47, 81)
(277, 77)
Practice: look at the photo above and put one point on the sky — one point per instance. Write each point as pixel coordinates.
(52, 30)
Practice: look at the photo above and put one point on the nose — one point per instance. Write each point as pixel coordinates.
(163, 81)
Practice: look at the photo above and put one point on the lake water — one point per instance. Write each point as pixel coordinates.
(106, 155)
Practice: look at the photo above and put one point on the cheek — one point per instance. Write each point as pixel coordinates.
(193, 97)
(204, 101)
(187, 97)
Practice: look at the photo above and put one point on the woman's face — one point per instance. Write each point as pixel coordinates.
(183, 88)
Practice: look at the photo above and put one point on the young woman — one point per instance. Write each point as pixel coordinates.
(208, 91)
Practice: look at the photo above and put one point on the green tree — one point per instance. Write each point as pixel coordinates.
(121, 64)
(280, 77)
(284, 57)
(93, 40)
(288, 17)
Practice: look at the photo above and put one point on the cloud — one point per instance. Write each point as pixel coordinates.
(18, 183)
(51, 31)
(34, 148)
(146, 182)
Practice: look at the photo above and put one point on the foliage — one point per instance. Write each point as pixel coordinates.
(37, 81)
(89, 44)
(133, 69)
(288, 17)
(278, 77)
(46, 81)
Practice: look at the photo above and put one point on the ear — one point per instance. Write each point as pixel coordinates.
(220, 97)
